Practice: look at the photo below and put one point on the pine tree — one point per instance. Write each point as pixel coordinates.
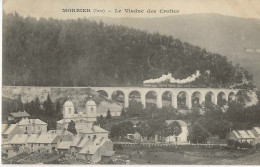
(47, 106)
(58, 112)
(108, 114)
(36, 106)
(72, 128)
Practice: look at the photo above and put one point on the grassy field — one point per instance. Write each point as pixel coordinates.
(198, 157)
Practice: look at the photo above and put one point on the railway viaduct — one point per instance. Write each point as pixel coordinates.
(200, 93)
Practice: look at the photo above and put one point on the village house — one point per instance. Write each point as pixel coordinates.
(17, 116)
(33, 126)
(9, 130)
(249, 136)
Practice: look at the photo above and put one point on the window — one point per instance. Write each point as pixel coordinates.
(6, 151)
(91, 109)
(45, 144)
(39, 151)
(25, 128)
(69, 110)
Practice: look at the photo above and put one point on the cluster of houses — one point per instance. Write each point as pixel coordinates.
(91, 143)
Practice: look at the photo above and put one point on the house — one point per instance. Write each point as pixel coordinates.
(13, 147)
(242, 136)
(33, 126)
(17, 116)
(46, 143)
(96, 149)
(93, 131)
(64, 147)
(9, 130)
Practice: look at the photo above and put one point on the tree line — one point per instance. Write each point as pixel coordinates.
(51, 52)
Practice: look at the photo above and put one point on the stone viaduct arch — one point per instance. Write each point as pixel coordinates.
(201, 93)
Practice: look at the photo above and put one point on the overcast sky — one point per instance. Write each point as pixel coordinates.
(53, 8)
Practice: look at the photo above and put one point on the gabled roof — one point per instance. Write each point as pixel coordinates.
(76, 140)
(257, 129)
(64, 145)
(47, 138)
(243, 134)
(83, 142)
(236, 134)
(182, 123)
(32, 138)
(4, 127)
(19, 139)
(9, 128)
(250, 133)
(31, 121)
(20, 114)
(93, 146)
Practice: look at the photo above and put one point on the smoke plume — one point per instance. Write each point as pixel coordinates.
(168, 77)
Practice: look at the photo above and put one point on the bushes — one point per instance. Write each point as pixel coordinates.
(237, 144)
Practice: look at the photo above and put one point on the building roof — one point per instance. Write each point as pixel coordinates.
(91, 130)
(4, 127)
(236, 134)
(47, 138)
(60, 132)
(64, 145)
(9, 128)
(93, 145)
(76, 140)
(257, 129)
(250, 133)
(32, 138)
(68, 104)
(19, 139)
(20, 114)
(31, 121)
(243, 134)
(182, 123)
(83, 142)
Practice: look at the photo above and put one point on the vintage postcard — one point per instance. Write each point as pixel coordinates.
(166, 82)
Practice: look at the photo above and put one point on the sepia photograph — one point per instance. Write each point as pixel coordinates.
(152, 82)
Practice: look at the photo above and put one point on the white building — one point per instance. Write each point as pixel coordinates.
(33, 126)
(87, 118)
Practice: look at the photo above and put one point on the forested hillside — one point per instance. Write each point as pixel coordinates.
(50, 52)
